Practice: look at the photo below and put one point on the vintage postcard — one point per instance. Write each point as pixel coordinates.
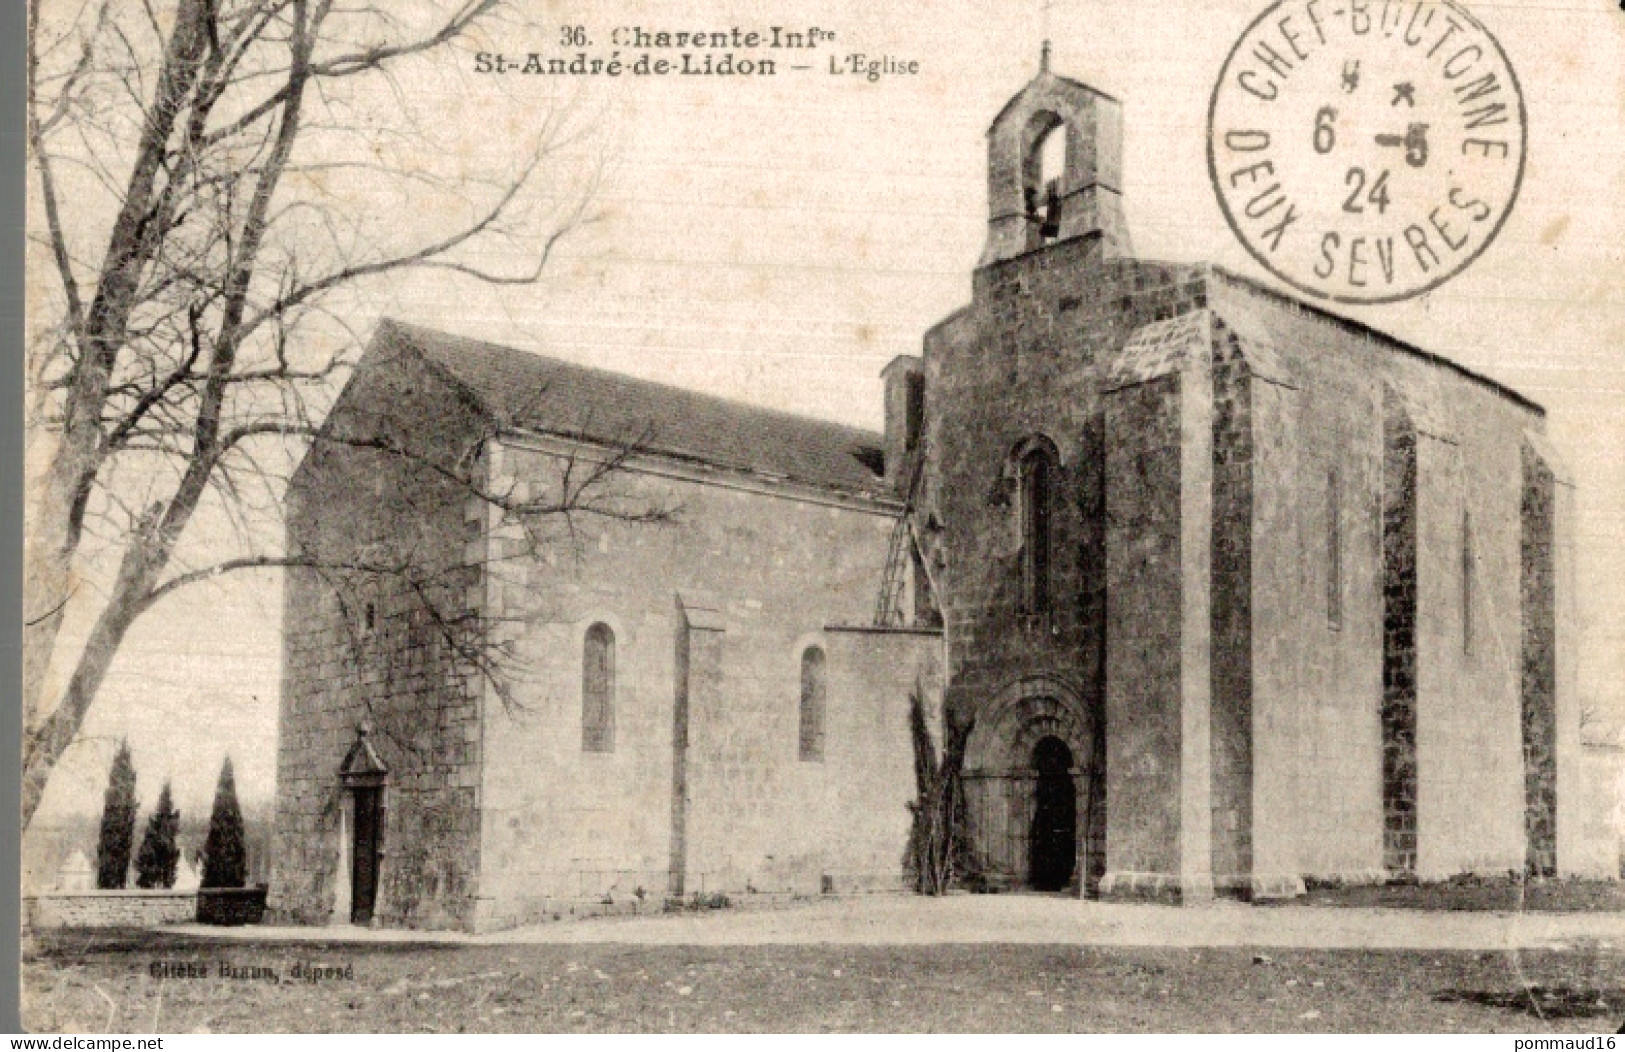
(595, 515)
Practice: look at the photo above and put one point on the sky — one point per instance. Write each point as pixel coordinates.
(779, 239)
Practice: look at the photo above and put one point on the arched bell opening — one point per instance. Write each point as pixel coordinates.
(1044, 172)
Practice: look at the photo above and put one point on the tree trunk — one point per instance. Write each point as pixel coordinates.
(64, 487)
(44, 746)
(47, 586)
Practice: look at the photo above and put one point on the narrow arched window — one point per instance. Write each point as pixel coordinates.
(1466, 583)
(1037, 480)
(812, 703)
(1334, 551)
(598, 689)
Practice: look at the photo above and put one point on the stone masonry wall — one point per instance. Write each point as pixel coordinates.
(698, 675)
(1318, 689)
(1539, 669)
(372, 646)
(760, 569)
(1371, 702)
(1399, 641)
(109, 909)
(1316, 666)
(1027, 364)
(1143, 629)
(865, 833)
(1232, 614)
(1024, 361)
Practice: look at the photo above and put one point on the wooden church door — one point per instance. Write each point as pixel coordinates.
(364, 867)
(1053, 843)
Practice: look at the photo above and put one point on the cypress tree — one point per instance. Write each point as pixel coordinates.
(156, 861)
(225, 851)
(118, 822)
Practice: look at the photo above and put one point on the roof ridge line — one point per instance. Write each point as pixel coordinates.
(1371, 332)
(687, 392)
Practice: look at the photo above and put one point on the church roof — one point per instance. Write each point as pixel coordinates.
(532, 392)
(1387, 341)
(1156, 349)
(1161, 347)
(1267, 337)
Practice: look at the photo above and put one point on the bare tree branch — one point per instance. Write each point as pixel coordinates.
(427, 256)
(360, 62)
(38, 127)
(182, 339)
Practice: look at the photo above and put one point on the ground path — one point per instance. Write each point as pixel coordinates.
(1025, 919)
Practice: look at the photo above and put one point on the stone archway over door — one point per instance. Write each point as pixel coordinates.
(1002, 781)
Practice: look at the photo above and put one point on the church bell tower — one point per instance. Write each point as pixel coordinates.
(1030, 208)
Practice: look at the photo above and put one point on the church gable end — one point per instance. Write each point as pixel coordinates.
(377, 507)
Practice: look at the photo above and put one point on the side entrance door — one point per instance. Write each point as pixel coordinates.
(364, 870)
(1053, 840)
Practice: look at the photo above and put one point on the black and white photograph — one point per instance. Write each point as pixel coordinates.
(593, 516)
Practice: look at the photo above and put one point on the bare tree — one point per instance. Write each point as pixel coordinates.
(205, 176)
(939, 854)
(389, 570)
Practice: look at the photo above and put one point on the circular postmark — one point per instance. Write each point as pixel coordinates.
(1365, 151)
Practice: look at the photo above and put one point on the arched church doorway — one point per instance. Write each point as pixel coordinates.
(1053, 839)
(1034, 780)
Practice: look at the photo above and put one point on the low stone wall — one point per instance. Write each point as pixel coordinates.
(231, 906)
(109, 909)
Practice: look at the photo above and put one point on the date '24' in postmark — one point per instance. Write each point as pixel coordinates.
(1365, 151)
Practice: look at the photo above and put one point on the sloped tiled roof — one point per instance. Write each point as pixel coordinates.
(1161, 347)
(1256, 344)
(1155, 349)
(531, 392)
(1387, 341)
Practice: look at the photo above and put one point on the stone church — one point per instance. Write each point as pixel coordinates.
(1220, 592)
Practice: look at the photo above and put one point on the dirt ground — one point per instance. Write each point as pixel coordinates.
(1467, 893)
(141, 982)
(1032, 919)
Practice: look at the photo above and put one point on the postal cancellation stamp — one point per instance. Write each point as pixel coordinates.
(1366, 151)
